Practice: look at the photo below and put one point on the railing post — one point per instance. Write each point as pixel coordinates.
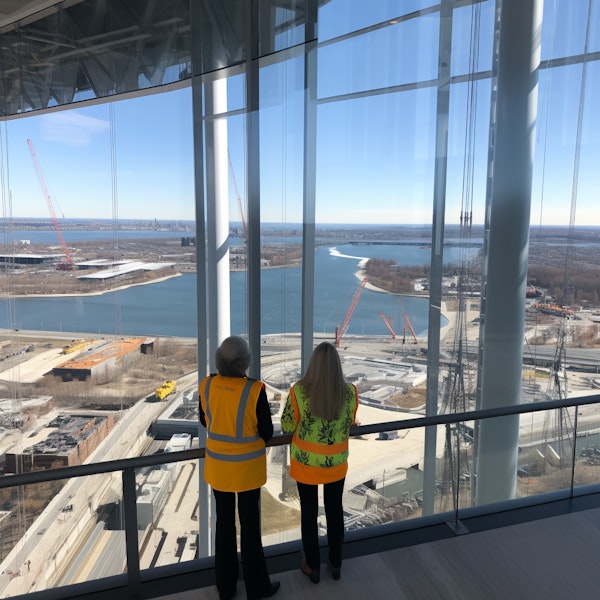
(574, 450)
(131, 533)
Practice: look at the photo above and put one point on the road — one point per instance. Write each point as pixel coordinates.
(44, 553)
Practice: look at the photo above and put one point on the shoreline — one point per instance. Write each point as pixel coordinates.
(361, 274)
(5, 296)
(97, 293)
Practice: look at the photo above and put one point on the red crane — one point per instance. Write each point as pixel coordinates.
(339, 332)
(67, 262)
(388, 323)
(411, 330)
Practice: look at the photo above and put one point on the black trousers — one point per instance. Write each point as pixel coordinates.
(334, 513)
(256, 576)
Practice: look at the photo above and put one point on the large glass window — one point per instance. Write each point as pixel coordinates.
(343, 162)
(97, 314)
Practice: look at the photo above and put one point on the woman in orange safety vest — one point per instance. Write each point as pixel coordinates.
(235, 411)
(319, 410)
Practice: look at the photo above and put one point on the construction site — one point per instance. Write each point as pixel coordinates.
(99, 360)
(385, 480)
(86, 267)
(73, 432)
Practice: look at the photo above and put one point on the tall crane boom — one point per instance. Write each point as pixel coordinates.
(388, 323)
(67, 262)
(411, 328)
(339, 332)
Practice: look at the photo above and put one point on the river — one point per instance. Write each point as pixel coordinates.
(168, 308)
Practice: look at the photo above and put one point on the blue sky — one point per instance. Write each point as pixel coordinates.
(375, 154)
(153, 150)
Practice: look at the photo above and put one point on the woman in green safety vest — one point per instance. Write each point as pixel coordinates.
(319, 411)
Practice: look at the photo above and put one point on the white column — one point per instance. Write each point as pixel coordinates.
(509, 220)
(217, 212)
(309, 186)
(437, 253)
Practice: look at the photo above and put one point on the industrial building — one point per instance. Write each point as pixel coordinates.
(155, 485)
(22, 259)
(120, 269)
(179, 422)
(99, 363)
(153, 494)
(67, 441)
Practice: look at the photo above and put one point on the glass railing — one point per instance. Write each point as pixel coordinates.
(125, 519)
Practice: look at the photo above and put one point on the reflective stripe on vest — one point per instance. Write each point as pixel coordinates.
(324, 449)
(235, 457)
(238, 438)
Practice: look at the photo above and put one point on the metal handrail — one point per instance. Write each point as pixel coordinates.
(128, 466)
(282, 440)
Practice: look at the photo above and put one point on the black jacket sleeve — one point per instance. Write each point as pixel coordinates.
(201, 414)
(263, 414)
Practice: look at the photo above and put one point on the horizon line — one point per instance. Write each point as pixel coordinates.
(277, 223)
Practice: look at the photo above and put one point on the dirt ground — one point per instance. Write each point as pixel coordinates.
(274, 513)
(171, 359)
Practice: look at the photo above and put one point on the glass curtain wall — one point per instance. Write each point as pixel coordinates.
(402, 146)
(97, 284)
(331, 172)
(562, 306)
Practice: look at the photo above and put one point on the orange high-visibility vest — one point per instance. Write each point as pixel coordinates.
(235, 459)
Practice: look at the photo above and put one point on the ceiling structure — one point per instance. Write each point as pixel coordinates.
(12, 11)
(57, 52)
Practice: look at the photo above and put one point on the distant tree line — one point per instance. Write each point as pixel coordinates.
(282, 257)
(580, 287)
(388, 275)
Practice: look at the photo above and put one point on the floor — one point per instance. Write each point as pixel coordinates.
(554, 558)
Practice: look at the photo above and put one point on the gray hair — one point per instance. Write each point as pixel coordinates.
(233, 357)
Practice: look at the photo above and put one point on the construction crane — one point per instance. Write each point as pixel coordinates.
(388, 323)
(239, 199)
(407, 320)
(339, 332)
(67, 262)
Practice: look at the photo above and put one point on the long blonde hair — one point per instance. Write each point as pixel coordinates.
(324, 382)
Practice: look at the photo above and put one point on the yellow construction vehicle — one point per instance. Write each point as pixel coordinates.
(161, 392)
